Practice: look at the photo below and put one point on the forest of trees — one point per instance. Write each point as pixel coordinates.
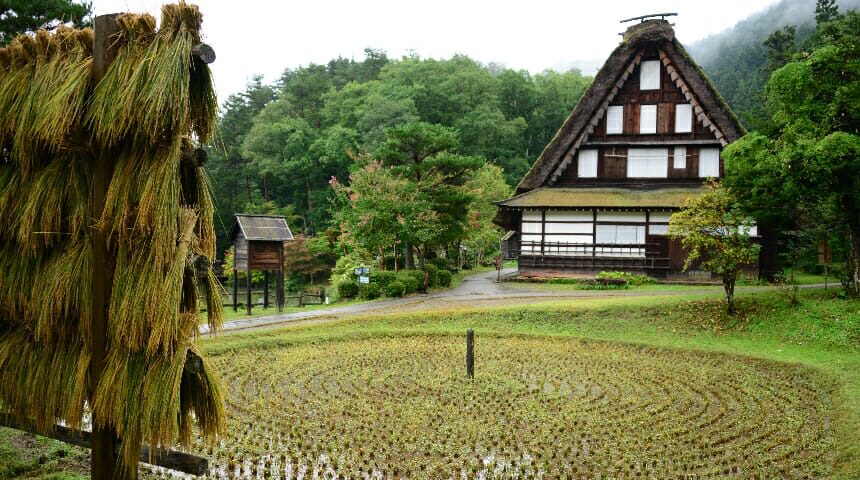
(740, 59)
(452, 135)
(396, 161)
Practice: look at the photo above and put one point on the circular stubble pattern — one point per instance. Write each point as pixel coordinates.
(538, 407)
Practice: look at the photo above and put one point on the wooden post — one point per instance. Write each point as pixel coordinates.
(248, 284)
(470, 354)
(280, 292)
(235, 290)
(265, 289)
(104, 438)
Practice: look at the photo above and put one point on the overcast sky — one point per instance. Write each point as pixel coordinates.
(265, 37)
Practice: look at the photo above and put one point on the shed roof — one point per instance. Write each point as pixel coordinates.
(601, 197)
(261, 227)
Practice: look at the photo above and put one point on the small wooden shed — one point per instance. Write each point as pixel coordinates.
(258, 244)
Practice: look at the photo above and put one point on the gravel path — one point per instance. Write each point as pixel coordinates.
(479, 290)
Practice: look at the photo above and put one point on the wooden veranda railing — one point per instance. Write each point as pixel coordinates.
(593, 255)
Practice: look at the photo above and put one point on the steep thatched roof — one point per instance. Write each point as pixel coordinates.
(553, 197)
(709, 106)
(261, 227)
(55, 120)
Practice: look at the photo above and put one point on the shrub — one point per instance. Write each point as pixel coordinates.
(395, 288)
(444, 278)
(441, 263)
(432, 272)
(630, 278)
(347, 289)
(382, 278)
(410, 283)
(417, 276)
(370, 291)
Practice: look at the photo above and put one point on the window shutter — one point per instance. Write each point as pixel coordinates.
(680, 157)
(683, 118)
(658, 162)
(709, 163)
(587, 164)
(647, 119)
(615, 120)
(647, 162)
(649, 75)
(637, 164)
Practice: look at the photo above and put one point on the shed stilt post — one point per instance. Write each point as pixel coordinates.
(104, 437)
(248, 296)
(235, 290)
(280, 292)
(265, 289)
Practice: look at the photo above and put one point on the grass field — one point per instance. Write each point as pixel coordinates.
(623, 388)
(661, 387)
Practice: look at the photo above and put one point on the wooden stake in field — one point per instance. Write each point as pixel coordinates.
(470, 354)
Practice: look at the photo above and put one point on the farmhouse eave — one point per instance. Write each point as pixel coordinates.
(569, 197)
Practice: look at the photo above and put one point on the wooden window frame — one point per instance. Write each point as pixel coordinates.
(653, 84)
(619, 110)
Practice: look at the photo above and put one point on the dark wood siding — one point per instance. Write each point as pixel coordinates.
(612, 169)
(612, 163)
(669, 95)
(265, 255)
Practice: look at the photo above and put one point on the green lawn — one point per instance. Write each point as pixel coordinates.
(816, 344)
(678, 385)
(229, 314)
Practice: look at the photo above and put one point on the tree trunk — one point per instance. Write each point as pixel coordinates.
(410, 258)
(310, 203)
(422, 255)
(854, 288)
(729, 286)
(852, 216)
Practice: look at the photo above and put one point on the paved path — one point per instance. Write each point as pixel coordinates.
(480, 290)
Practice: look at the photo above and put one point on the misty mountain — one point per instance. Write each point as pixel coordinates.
(734, 59)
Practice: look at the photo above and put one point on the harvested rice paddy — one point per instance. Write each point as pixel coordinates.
(539, 407)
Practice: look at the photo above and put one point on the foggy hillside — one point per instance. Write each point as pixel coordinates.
(734, 58)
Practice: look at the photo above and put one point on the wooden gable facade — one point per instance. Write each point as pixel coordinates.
(643, 138)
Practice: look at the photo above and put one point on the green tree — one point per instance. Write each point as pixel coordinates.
(380, 209)
(23, 16)
(424, 154)
(715, 231)
(811, 157)
(304, 261)
(486, 185)
(233, 185)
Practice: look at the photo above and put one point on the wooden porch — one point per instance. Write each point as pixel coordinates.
(648, 258)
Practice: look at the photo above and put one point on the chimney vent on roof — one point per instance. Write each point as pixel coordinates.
(649, 29)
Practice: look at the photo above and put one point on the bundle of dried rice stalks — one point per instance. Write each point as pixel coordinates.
(155, 87)
(155, 97)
